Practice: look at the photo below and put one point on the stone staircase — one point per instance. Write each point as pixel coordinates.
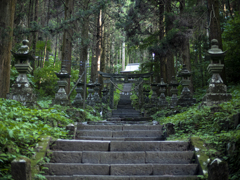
(121, 150)
(124, 108)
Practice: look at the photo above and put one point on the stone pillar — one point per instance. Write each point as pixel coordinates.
(78, 101)
(140, 93)
(61, 96)
(154, 97)
(174, 84)
(217, 169)
(21, 90)
(111, 100)
(186, 98)
(162, 99)
(90, 98)
(217, 91)
(21, 169)
(96, 96)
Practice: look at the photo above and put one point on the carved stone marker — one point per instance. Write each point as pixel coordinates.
(186, 98)
(90, 98)
(174, 84)
(217, 91)
(78, 101)
(162, 99)
(21, 89)
(61, 96)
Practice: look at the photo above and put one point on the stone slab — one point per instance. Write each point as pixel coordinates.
(113, 157)
(137, 133)
(170, 157)
(175, 169)
(100, 127)
(66, 157)
(142, 127)
(100, 177)
(99, 133)
(80, 145)
(123, 138)
(76, 169)
(131, 169)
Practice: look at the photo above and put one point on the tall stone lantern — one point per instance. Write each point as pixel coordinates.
(61, 96)
(96, 96)
(174, 84)
(186, 98)
(162, 90)
(90, 98)
(78, 101)
(217, 90)
(154, 97)
(21, 89)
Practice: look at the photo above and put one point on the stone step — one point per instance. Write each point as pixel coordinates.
(123, 138)
(80, 145)
(120, 169)
(149, 146)
(120, 127)
(111, 177)
(129, 133)
(127, 157)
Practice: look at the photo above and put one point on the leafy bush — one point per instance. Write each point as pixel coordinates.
(214, 125)
(21, 129)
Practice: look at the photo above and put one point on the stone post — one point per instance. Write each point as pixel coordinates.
(21, 169)
(61, 96)
(217, 91)
(21, 89)
(174, 84)
(162, 99)
(154, 100)
(90, 98)
(111, 100)
(186, 98)
(218, 169)
(78, 101)
(140, 94)
(96, 95)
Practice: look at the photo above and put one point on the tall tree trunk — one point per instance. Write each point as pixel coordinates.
(123, 55)
(186, 48)
(102, 58)
(35, 34)
(215, 29)
(67, 41)
(7, 10)
(94, 65)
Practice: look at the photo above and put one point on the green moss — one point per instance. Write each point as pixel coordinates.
(200, 151)
(44, 143)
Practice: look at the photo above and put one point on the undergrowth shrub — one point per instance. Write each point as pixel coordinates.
(21, 129)
(216, 126)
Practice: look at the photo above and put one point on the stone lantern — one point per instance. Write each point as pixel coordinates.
(90, 98)
(96, 89)
(61, 96)
(186, 98)
(174, 84)
(154, 97)
(78, 101)
(162, 90)
(105, 95)
(217, 90)
(21, 89)
(146, 94)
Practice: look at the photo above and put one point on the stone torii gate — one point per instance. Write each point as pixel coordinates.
(117, 78)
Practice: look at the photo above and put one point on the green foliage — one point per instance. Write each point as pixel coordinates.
(21, 129)
(216, 128)
(231, 39)
(117, 94)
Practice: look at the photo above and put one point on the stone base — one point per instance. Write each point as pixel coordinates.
(211, 99)
(184, 102)
(62, 102)
(77, 104)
